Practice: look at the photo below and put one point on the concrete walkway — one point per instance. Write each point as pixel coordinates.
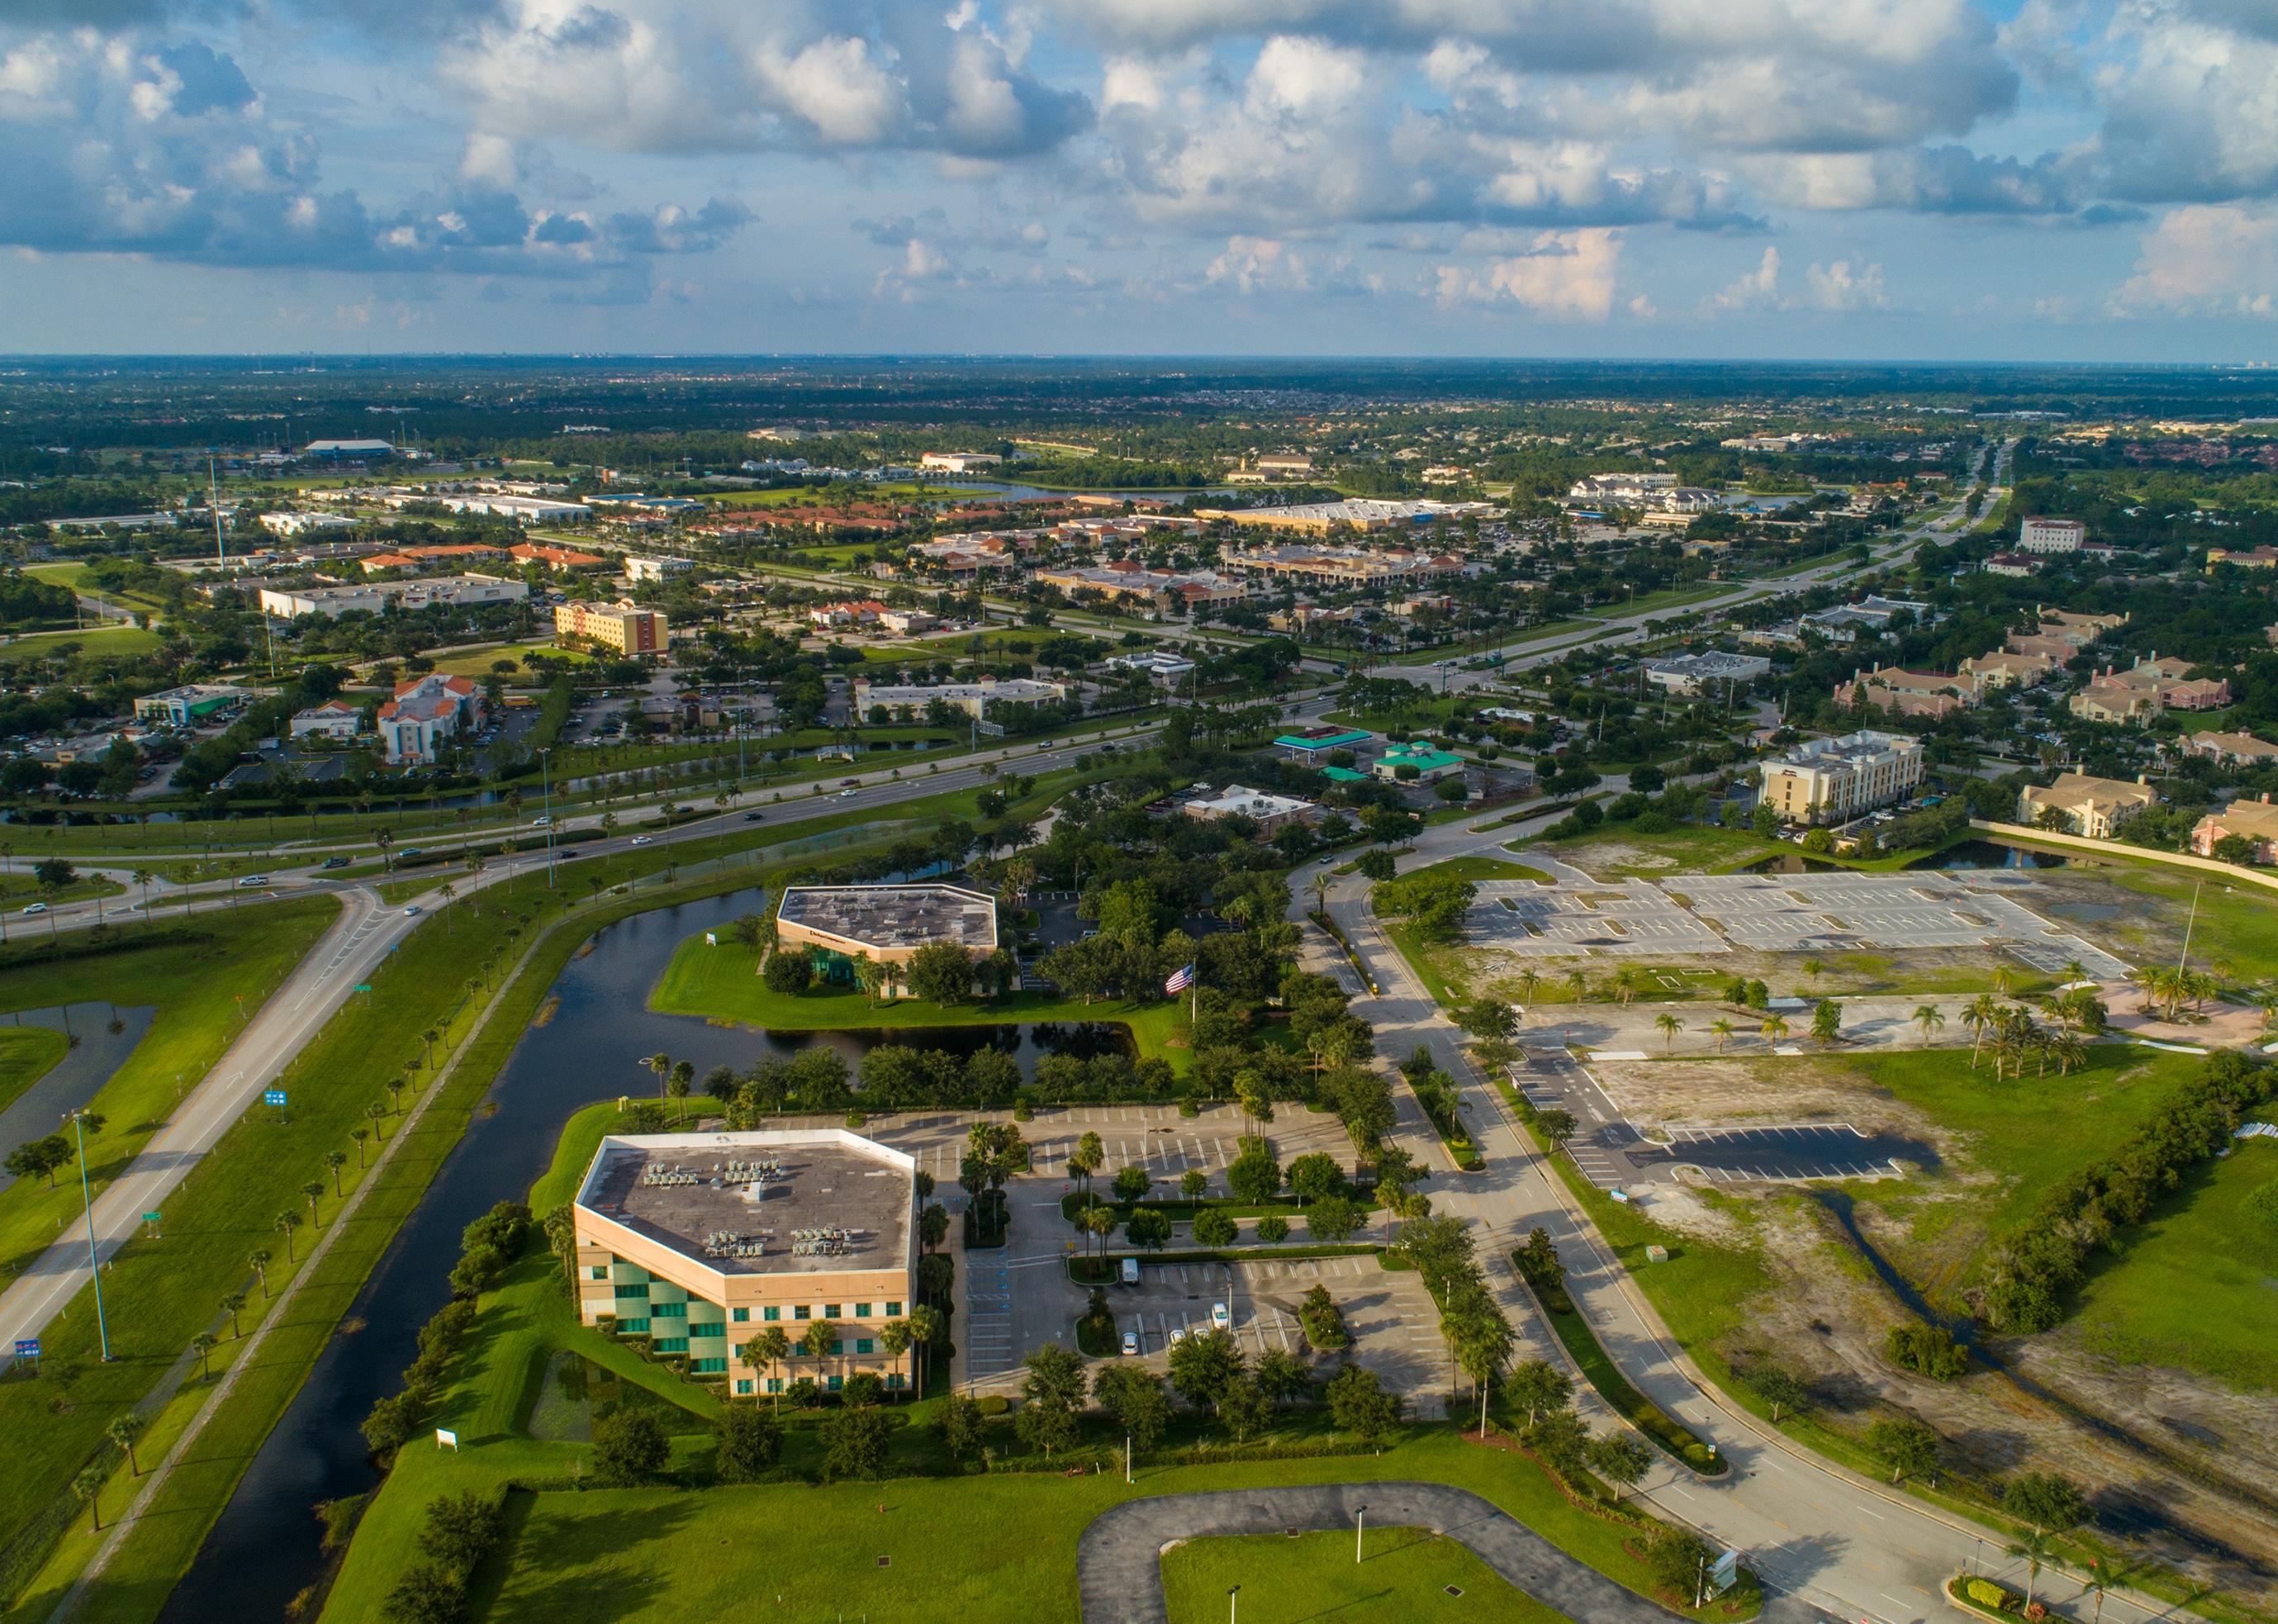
(1119, 1560)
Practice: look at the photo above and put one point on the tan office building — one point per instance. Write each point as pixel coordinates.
(703, 1242)
(887, 923)
(626, 628)
(1833, 780)
(2092, 807)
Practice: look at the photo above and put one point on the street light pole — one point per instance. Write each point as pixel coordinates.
(86, 1205)
(1360, 1524)
(1231, 1604)
(546, 792)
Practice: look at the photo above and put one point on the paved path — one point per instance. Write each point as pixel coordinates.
(1119, 1567)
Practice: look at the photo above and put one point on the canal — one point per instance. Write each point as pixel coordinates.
(264, 1549)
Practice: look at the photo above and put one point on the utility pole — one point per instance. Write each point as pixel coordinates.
(93, 1260)
(545, 791)
(213, 501)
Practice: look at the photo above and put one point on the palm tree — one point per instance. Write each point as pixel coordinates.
(335, 1160)
(125, 1428)
(2075, 970)
(821, 1337)
(659, 1063)
(1813, 968)
(677, 1085)
(1980, 1016)
(1670, 1026)
(1723, 1031)
(233, 1305)
(1929, 1019)
(143, 878)
(313, 1192)
(1626, 985)
(1580, 982)
(286, 1221)
(259, 1257)
(1528, 979)
(1774, 1029)
(894, 1336)
(203, 1345)
(2005, 979)
(2036, 1547)
(765, 1351)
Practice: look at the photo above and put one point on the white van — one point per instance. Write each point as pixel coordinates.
(1130, 1271)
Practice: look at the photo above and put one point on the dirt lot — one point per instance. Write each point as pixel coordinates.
(2159, 1449)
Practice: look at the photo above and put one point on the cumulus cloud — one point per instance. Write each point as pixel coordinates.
(2191, 102)
(2205, 260)
(1756, 289)
(1258, 265)
(117, 145)
(1565, 275)
(722, 75)
(1840, 285)
(1946, 180)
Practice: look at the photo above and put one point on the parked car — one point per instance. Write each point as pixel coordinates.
(1131, 1345)
(1130, 1271)
(1220, 1319)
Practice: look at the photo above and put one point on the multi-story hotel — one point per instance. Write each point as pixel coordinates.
(625, 627)
(703, 1241)
(1832, 780)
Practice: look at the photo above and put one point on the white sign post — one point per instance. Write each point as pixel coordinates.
(445, 1438)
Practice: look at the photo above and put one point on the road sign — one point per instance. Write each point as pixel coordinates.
(272, 1096)
(151, 1217)
(444, 1437)
(27, 1347)
(1724, 1574)
(364, 986)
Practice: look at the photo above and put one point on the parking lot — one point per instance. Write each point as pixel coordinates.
(1389, 1314)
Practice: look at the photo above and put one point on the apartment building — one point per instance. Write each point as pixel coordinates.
(1910, 694)
(1833, 780)
(2232, 749)
(702, 1241)
(426, 711)
(2090, 807)
(2038, 535)
(2141, 691)
(2257, 820)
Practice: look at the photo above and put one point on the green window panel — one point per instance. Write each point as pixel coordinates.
(861, 1311)
(774, 1384)
(633, 1328)
(770, 1314)
(742, 1388)
(632, 1290)
(802, 1313)
(836, 1383)
(665, 1291)
(707, 1367)
(669, 1311)
(601, 1271)
(862, 1345)
(742, 1314)
(707, 1333)
(894, 1379)
(837, 1347)
(830, 1311)
(672, 1344)
(893, 1311)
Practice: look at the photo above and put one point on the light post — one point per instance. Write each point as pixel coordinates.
(1360, 1523)
(1126, 1458)
(86, 1205)
(545, 793)
(1231, 1604)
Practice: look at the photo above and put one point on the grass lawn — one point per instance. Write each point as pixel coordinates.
(1610, 851)
(1403, 1580)
(1438, 965)
(998, 1546)
(2001, 1130)
(476, 663)
(2237, 926)
(724, 983)
(1480, 868)
(2197, 1285)
(26, 1054)
(117, 639)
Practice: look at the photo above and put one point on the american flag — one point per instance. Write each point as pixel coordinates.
(1180, 979)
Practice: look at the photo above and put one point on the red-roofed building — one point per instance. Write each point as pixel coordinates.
(561, 559)
(852, 612)
(426, 711)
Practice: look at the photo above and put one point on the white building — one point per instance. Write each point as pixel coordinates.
(1160, 663)
(959, 462)
(1268, 812)
(2051, 535)
(639, 569)
(375, 597)
(971, 697)
(424, 712)
(521, 510)
(334, 719)
(1834, 780)
(1689, 674)
(301, 524)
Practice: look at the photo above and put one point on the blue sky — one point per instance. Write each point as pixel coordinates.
(1932, 178)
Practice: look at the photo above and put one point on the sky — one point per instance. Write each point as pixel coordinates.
(2030, 179)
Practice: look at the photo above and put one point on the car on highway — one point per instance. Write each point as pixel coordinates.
(756, 817)
(845, 793)
(850, 783)
(1131, 1345)
(253, 882)
(412, 912)
(1220, 1319)
(37, 907)
(334, 862)
(541, 820)
(644, 839)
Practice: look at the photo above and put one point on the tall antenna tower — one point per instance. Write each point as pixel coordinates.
(213, 501)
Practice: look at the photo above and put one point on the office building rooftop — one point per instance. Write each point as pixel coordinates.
(882, 917)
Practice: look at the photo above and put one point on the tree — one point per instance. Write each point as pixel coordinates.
(233, 1304)
(854, 1441)
(1050, 1393)
(2036, 1548)
(1148, 1226)
(1243, 1409)
(2048, 1500)
(1131, 1182)
(460, 1529)
(1620, 1458)
(1488, 1018)
(1556, 1127)
(258, 1258)
(1722, 1030)
(1254, 1176)
(1930, 1018)
(1202, 1365)
(1907, 1446)
(1283, 1375)
(203, 1344)
(1212, 1228)
(1535, 1385)
(1194, 1183)
(39, 1158)
(313, 1192)
(629, 1448)
(1775, 1029)
(335, 1160)
(1359, 1405)
(1779, 1388)
(750, 1440)
(1323, 1321)
(1089, 1156)
(766, 1351)
(677, 1085)
(1332, 1218)
(286, 1223)
(124, 1429)
(789, 972)
(1827, 1021)
(960, 1425)
(428, 1593)
(941, 973)
(1315, 1176)
(1668, 1025)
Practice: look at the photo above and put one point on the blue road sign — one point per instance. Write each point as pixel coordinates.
(272, 1096)
(27, 1347)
